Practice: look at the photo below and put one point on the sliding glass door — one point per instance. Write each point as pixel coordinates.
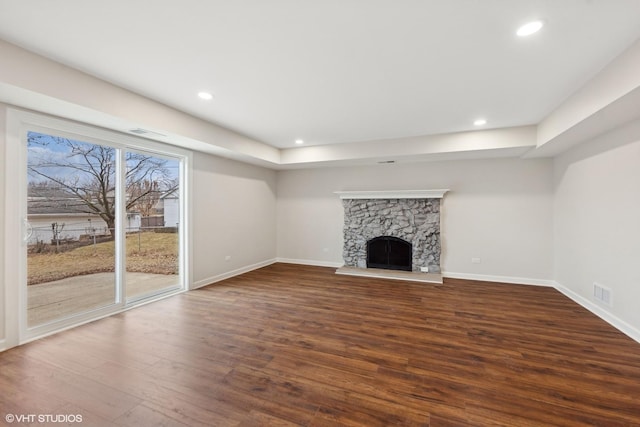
(103, 224)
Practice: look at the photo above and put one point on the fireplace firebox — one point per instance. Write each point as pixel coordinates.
(388, 252)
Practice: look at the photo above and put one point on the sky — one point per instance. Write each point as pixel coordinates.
(47, 153)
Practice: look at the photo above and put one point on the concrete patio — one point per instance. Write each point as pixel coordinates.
(54, 300)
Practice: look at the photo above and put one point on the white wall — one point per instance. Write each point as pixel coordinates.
(497, 210)
(234, 214)
(3, 117)
(597, 222)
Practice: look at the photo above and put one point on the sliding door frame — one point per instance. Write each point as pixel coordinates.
(20, 122)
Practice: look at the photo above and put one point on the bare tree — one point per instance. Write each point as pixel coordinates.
(86, 172)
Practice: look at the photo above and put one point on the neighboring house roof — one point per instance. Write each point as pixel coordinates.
(59, 215)
(55, 204)
(58, 201)
(53, 200)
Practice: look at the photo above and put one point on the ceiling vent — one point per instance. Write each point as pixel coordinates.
(145, 132)
(386, 162)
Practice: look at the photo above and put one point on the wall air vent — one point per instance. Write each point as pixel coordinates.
(145, 132)
(386, 162)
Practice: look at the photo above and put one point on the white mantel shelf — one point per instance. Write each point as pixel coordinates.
(392, 194)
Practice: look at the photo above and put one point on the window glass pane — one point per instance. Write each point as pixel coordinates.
(71, 208)
(152, 224)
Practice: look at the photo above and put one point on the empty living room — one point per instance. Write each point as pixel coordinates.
(320, 213)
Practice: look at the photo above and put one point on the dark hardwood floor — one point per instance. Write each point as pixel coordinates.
(294, 345)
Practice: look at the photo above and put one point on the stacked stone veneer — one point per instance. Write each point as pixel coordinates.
(414, 220)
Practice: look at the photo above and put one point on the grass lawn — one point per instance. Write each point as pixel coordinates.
(158, 254)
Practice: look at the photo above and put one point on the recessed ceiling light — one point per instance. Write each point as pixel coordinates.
(480, 122)
(299, 141)
(205, 95)
(529, 28)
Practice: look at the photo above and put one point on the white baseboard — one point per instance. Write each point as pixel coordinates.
(230, 274)
(611, 319)
(500, 279)
(310, 262)
(3, 345)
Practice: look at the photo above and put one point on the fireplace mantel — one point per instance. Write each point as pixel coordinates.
(392, 194)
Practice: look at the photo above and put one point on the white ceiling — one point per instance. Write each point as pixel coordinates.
(334, 71)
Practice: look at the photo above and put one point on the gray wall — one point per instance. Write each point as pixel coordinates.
(597, 221)
(497, 210)
(234, 214)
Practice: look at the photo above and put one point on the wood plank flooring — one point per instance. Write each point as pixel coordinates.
(291, 345)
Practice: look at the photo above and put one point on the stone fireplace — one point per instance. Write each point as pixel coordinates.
(388, 218)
